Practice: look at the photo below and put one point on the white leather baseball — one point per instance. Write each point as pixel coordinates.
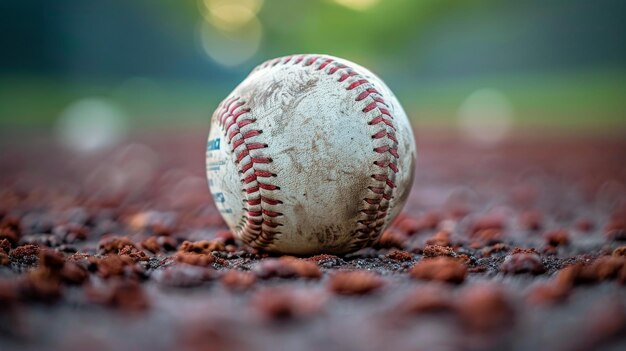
(310, 154)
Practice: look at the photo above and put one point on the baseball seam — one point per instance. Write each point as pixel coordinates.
(258, 225)
(375, 208)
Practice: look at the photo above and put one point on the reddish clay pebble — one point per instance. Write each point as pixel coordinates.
(161, 229)
(73, 273)
(355, 282)
(4, 259)
(274, 268)
(414, 225)
(325, 259)
(477, 269)
(490, 250)
(109, 266)
(407, 225)
(201, 247)
(616, 228)
(5, 245)
(522, 262)
(485, 308)
(616, 235)
(116, 266)
(205, 334)
(121, 245)
(391, 239)
(238, 280)
(151, 245)
(157, 244)
(620, 251)
(557, 237)
(601, 269)
(114, 244)
(608, 267)
(604, 325)
(441, 238)
(476, 245)
(530, 220)
(125, 295)
(41, 285)
(400, 255)
(428, 299)
(25, 251)
(9, 234)
(281, 303)
(488, 236)
(486, 222)
(437, 250)
(134, 254)
(550, 250)
(429, 220)
(27, 254)
(51, 259)
(303, 269)
(183, 275)
(443, 269)
(203, 260)
(548, 293)
(531, 250)
(574, 274)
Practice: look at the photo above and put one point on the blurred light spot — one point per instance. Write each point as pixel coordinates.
(486, 116)
(230, 14)
(360, 5)
(91, 124)
(231, 48)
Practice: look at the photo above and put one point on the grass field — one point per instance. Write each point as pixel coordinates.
(586, 101)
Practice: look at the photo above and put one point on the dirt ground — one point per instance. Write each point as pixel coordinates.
(517, 246)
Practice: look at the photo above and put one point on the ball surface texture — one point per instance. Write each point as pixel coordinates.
(310, 154)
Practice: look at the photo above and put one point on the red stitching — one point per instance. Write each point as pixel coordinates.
(268, 186)
(380, 134)
(263, 222)
(372, 225)
(310, 61)
(377, 189)
(346, 76)
(270, 201)
(267, 200)
(372, 105)
(366, 93)
(232, 118)
(324, 64)
(336, 68)
(372, 201)
(380, 177)
(357, 83)
(381, 119)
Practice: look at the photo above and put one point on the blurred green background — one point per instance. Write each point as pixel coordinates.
(544, 64)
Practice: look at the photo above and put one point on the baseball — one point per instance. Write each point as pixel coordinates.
(310, 154)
